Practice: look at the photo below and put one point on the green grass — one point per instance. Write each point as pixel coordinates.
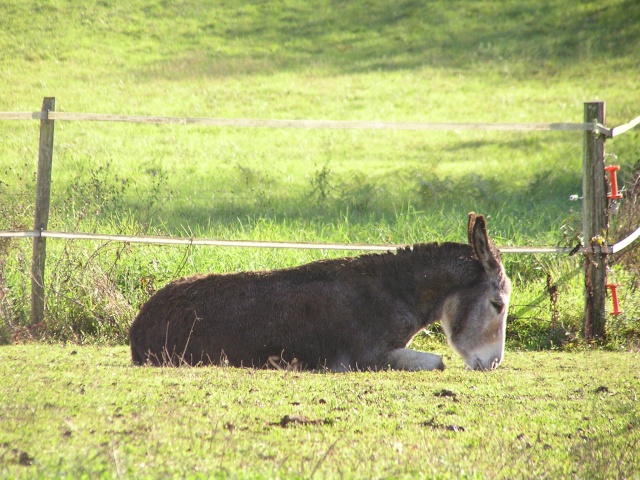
(81, 410)
(543, 415)
(410, 61)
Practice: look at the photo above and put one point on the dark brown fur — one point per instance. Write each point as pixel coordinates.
(347, 312)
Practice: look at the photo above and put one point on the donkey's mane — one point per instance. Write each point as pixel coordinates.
(373, 264)
(436, 249)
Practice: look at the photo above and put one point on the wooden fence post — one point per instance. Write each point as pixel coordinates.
(41, 217)
(595, 223)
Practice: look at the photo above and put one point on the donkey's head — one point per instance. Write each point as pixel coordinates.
(474, 317)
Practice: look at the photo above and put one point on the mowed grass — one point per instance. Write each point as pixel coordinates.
(76, 412)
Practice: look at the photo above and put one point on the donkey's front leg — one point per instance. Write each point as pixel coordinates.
(406, 359)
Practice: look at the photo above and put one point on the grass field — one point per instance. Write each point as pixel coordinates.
(80, 410)
(540, 415)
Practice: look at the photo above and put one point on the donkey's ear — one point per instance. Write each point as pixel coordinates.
(482, 245)
(472, 221)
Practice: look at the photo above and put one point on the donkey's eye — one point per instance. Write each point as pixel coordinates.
(499, 306)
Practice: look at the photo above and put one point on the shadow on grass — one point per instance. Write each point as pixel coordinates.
(439, 204)
(380, 35)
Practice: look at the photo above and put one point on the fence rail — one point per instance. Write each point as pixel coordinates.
(164, 240)
(595, 211)
(620, 129)
(311, 124)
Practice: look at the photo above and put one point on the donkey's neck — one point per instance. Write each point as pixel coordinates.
(441, 264)
(427, 274)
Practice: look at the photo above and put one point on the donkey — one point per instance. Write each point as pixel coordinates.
(343, 314)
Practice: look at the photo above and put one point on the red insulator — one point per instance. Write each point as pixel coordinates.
(613, 180)
(613, 288)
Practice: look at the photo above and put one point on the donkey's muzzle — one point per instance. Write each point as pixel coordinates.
(486, 365)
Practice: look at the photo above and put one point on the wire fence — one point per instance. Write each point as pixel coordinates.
(592, 211)
(306, 124)
(160, 240)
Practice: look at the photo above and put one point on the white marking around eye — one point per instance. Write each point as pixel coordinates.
(483, 357)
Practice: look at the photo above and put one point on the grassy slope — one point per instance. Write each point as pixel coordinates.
(192, 59)
(409, 61)
(543, 415)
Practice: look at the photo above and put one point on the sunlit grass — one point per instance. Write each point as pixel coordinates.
(568, 415)
(73, 406)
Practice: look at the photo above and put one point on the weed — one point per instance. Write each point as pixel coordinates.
(321, 183)
(626, 221)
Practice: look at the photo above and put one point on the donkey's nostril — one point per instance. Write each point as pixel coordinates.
(478, 364)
